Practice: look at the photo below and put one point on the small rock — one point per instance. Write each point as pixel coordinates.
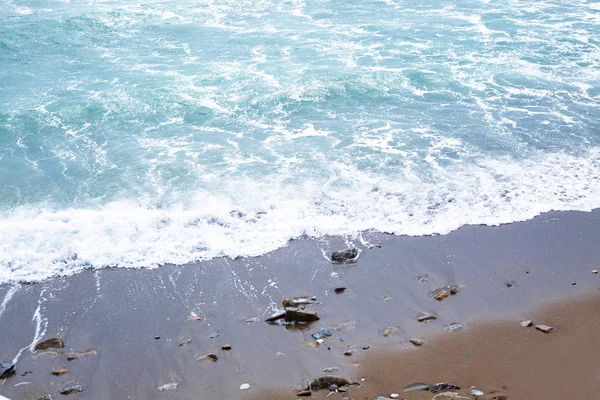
(366, 347)
(275, 317)
(510, 284)
(339, 290)
(46, 353)
(75, 356)
(453, 327)
(389, 332)
(416, 342)
(325, 382)
(595, 271)
(454, 290)
(168, 386)
(573, 283)
(320, 341)
(416, 386)
(321, 333)
(382, 398)
(193, 317)
(226, 347)
(394, 395)
(60, 371)
(156, 337)
(292, 315)
(475, 392)
(184, 342)
(333, 388)
(6, 369)
(426, 317)
(348, 353)
(244, 386)
(438, 387)
(545, 328)
(527, 323)
(47, 396)
(304, 393)
(213, 335)
(441, 295)
(71, 388)
(344, 256)
(330, 369)
(210, 356)
(51, 343)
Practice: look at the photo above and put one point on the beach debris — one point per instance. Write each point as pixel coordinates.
(304, 393)
(366, 347)
(545, 328)
(213, 335)
(344, 256)
(526, 323)
(510, 284)
(453, 327)
(333, 388)
(330, 369)
(595, 271)
(71, 387)
(292, 315)
(325, 382)
(51, 343)
(350, 352)
(339, 290)
(168, 386)
(423, 317)
(389, 332)
(438, 387)
(244, 386)
(6, 369)
(47, 396)
(77, 355)
(226, 347)
(416, 386)
(475, 392)
(60, 371)
(321, 333)
(416, 342)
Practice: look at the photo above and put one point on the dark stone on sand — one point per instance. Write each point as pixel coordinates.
(416, 386)
(339, 290)
(6, 369)
(51, 343)
(344, 256)
(348, 353)
(438, 387)
(573, 283)
(331, 369)
(226, 347)
(426, 317)
(292, 315)
(304, 393)
(333, 388)
(60, 371)
(275, 317)
(545, 328)
(325, 382)
(156, 337)
(510, 284)
(366, 347)
(321, 333)
(71, 388)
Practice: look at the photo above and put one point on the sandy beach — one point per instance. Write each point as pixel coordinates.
(138, 330)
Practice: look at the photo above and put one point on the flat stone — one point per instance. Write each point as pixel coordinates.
(168, 386)
(226, 347)
(416, 342)
(339, 290)
(304, 393)
(545, 328)
(292, 315)
(276, 317)
(75, 356)
(394, 395)
(389, 332)
(333, 388)
(6, 369)
(426, 317)
(51, 343)
(416, 386)
(60, 371)
(527, 323)
(348, 353)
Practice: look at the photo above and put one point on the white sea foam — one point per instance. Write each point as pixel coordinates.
(250, 218)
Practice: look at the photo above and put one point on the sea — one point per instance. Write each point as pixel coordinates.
(142, 133)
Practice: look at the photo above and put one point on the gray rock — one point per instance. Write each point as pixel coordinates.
(333, 388)
(426, 317)
(344, 256)
(6, 369)
(475, 392)
(416, 342)
(51, 343)
(71, 388)
(545, 328)
(416, 386)
(321, 333)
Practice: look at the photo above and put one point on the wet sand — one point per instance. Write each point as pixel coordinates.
(119, 312)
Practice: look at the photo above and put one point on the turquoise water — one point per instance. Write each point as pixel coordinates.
(137, 134)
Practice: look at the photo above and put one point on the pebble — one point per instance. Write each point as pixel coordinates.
(389, 331)
(573, 283)
(60, 371)
(453, 327)
(527, 323)
(168, 386)
(394, 395)
(51, 343)
(320, 341)
(330, 369)
(226, 347)
(321, 333)
(475, 392)
(244, 386)
(348, 353)
(366, 347)
(344, 256)
(6, 369)
(194, 318)
(595, 271)
(47, 396)
(71, 389)
(339, 290)
(545, 328)
(213, 335)
(438, 387)
(441, 295)
(416, 342)
(75, 356)
(416, 386)
(510, 284)
(333, 388)
(304, 393)
(426, 317)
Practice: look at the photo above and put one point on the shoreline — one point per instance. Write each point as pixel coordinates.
(118, 312)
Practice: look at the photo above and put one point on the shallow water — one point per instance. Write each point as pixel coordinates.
(172, 131)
